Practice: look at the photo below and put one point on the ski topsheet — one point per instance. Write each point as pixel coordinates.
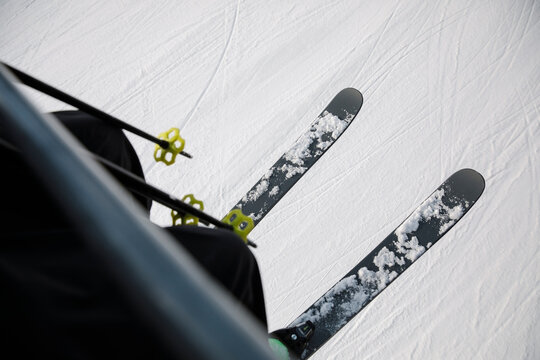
(305, 152)
(423, 228)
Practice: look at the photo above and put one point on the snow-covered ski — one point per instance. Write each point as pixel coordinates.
(305, 152)
(417, 234)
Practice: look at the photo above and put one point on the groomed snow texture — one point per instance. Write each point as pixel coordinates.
(446, 84)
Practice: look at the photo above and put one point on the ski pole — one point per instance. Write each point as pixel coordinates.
(141, 187)
(68, 99)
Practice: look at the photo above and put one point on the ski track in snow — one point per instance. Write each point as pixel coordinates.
(446, 85)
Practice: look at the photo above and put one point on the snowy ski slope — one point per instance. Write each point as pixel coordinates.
(446, 84)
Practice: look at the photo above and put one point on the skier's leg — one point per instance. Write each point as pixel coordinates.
(226, 258)
(31, 206)
(220, 252)
(104, 140)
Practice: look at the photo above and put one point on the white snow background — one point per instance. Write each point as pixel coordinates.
(446, 84)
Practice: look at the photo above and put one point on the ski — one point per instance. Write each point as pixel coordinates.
(395, 254)
(294, 163)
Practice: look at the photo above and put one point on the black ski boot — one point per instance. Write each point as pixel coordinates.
(289, 343)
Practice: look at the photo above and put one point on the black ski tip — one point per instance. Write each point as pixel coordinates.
(353, 94)
(350, 91)
(470, 182)
(472, 174)
(347, 101)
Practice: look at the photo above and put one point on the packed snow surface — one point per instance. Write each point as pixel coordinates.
(446, 84)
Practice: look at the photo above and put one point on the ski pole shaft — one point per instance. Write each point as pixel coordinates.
(68, 99)
(141, 187)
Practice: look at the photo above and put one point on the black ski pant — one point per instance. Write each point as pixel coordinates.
(57, 298)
